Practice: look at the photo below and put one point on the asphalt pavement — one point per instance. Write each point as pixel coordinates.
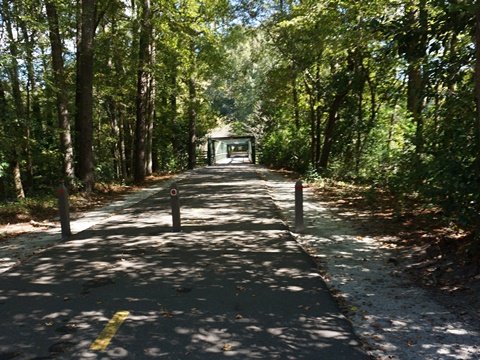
(233, 284)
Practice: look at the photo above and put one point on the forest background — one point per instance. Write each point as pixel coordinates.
(384, 94)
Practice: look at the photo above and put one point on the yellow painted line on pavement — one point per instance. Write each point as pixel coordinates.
(109, 331)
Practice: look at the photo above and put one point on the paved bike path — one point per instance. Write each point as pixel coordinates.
(232, 284)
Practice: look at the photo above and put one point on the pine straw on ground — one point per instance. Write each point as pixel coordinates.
(435, 252)
(432, 249)
(422, 233)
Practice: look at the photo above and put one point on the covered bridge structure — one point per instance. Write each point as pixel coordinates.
(220, 149)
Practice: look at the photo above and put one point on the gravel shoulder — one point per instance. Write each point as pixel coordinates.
(394, 317)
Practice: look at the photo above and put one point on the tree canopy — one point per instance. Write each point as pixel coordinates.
(383, 93)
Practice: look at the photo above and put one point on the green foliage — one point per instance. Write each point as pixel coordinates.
(298, 76)
(377, 140)
(286, 148)
(172, 160)
(312, 175)
(3, 169)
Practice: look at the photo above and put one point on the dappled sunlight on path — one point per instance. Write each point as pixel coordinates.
(233, 283)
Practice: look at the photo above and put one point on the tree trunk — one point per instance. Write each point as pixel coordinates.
(17, 177)
(62, 94)
(414, 102)
(31, 91)
(330, 129)
(318, 122)
(313, 134)
(359, 142)
(4, 111)
(123, 153)
(142, 95)
(313, 139)
(151, 108)
(149, 148)
(129, 130)
(477, 89)
(141, 128)
(78, 124)
(173, 112)
(85, 101)
(118, 147)
(296, 109)
(112, 105)
(114, 130)
(119, 115)
(417, 17)
(5, 128)
(192, 121)
(19, 105)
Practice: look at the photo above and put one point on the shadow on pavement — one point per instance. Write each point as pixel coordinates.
(233, 284)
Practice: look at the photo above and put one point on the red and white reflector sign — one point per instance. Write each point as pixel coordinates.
(173, 192)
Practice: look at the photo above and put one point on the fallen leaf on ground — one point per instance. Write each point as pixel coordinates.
(167, 314)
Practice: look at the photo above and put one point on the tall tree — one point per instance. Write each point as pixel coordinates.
(84, 120)
(18, 100)
(477, 86)
(344, 82)
(4, 110)
(61, 92)
(28, 29)
(151, 139)
(192, 122)
(143, 98)
(415, 47)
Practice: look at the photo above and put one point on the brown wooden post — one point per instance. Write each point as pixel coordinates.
(299, 225)
(64, 210)
(175, 203)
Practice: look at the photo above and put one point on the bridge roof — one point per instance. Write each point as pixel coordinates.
(234, 140)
